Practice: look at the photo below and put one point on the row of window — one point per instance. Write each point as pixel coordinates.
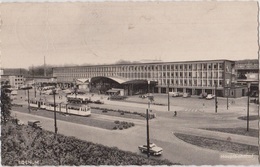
(151, 75)
(18, 79)
(18, 83)
(191, 82)
(204, 66)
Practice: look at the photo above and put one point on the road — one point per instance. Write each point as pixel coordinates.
(175, 150)
(192, 116)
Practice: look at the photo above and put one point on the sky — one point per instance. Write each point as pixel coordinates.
(105, 32)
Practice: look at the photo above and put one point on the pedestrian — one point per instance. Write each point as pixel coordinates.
(175, 114)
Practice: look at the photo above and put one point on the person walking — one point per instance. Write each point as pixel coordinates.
(175, 114)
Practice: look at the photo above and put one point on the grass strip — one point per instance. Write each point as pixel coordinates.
(237, 131)
(219, 145)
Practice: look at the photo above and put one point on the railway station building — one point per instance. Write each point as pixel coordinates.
(194, 77)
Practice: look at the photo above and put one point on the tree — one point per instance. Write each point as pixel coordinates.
(5, 105)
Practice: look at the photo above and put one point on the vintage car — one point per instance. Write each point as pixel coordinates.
(154, 150)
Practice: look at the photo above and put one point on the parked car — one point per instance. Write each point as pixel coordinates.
(143, 96)
(203, 95)
(180, 94)
(186, 95)
(98, 102)
(154, 150)
(174, 94)
(210, 96)
(34, 123)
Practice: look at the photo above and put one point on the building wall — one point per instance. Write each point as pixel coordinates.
(16, 81)
(193, 74)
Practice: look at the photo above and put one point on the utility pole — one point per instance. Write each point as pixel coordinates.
(34, 82)
(216, 100)
(55, 120)
(147, 123)
(28, 96)
(147, 130)
(248, 95)
(168, 97)
(227, 97)
(28, 101)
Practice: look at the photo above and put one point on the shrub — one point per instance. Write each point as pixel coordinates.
(104, 111)
(115, 127)
(122, 113)
(117, 122)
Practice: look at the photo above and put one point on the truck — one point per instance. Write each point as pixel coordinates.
(35, 124)
(154, 149)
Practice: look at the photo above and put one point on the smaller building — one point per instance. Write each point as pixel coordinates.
(15, 81)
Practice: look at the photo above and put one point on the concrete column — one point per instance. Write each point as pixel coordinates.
(193, 91)
(159, 90)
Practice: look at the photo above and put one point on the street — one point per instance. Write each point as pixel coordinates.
(161, 131)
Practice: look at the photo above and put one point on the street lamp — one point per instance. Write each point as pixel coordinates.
(28, 94)
(168, 96)
(248, 95)
(150, 99)
(228, 92)
(55, 120)
(216, 100)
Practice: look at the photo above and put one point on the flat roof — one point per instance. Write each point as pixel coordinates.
(152, 63)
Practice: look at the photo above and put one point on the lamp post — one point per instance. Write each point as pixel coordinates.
(34, 89)
(147, 129)
(168, 97)
(28, 95)
(150, 99)
(227, 97)
(216, 100)
(147, 123)
(248, 95)
(55, 120)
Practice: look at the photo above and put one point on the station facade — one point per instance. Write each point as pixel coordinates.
(194, 77)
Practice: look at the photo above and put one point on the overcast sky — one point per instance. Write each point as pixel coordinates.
(105, 32)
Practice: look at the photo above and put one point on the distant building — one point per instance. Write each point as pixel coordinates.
(247, 71)
(194, 77)
(16, 81)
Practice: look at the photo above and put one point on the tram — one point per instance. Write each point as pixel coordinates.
(66, 108)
